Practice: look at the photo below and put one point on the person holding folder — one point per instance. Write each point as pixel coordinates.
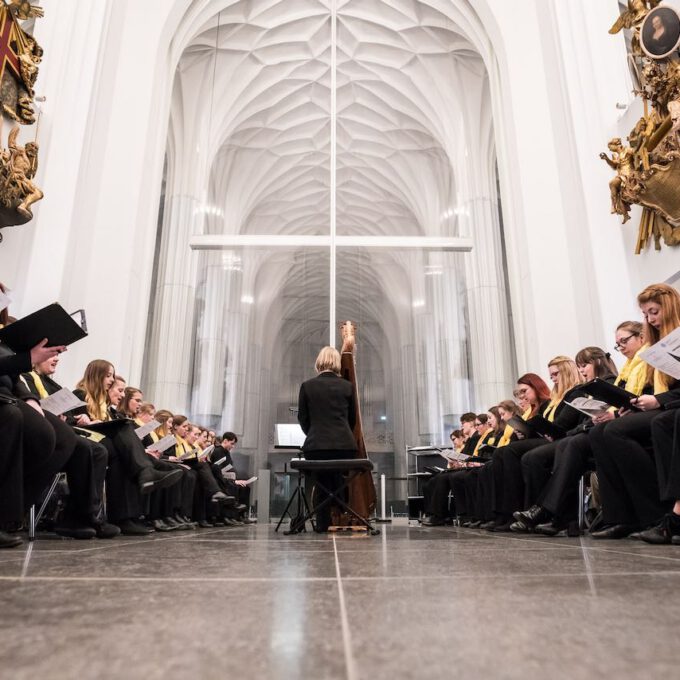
(85, 471)
(131, 473)
(624, 458)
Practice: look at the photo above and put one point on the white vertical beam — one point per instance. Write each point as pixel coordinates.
(334, 113)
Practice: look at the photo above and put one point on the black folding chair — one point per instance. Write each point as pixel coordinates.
(349, 467)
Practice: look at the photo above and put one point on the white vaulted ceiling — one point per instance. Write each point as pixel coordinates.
(260, 72)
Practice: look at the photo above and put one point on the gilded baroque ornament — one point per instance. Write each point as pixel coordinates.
(648, 166)
(20, 56)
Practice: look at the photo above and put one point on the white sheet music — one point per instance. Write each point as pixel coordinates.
(591, 407)
(143, 430)
(61, 402)
(164, 444)
(665, 354)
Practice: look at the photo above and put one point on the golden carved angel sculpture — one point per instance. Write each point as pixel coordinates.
(636, 12)
(622, 161)
(18, 166)
(22, 9)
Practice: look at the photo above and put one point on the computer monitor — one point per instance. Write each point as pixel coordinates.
(289, 434)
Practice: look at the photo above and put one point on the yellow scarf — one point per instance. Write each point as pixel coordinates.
(527, 414)
(482, 441)
(154, 436)
(42, 392)
(634, 373)
(182, 446)
(505, 438)
(549, 413)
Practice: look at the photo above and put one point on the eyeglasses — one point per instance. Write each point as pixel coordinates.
(478, 424)
(619, 346)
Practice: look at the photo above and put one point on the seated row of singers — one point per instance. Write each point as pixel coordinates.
(116, 482)
(531, 483)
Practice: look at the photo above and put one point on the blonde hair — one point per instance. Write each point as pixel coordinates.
(328, 360)
(92, 383)
(669, 300)
(569, 376)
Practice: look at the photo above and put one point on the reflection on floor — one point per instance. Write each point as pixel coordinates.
(412, 603)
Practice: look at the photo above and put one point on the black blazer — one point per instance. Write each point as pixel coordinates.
(327, 414)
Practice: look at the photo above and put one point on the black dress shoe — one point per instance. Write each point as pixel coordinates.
(106, 530)
(487, 526)
(150, 479)
(81, 533)
(160, 525)
(533, 516)
(129, 527)
(204, 524)
(222, 498)
(475, 523)
(172, 522)
(503, 527)
(550, 528)
(9, 541)
(519, 528)
(613, 531)
(663, 533)
(433, 522)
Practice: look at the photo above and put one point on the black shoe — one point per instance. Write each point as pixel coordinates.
(241, 507)
(223, 499)
(106, 530)
(229, 522)
(82, 533)
(432, 522)
(204, 524)
(614, 531)
(150, 479)
(487, 526)
(549, 528)
(9, 541)
(519, 528)
(475, 523)
(172, 522)
(160, 525)
(503, 527)
(533, 516)
(129, 527)
(663, 533)
(675, 540)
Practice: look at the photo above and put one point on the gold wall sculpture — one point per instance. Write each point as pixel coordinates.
(648, 166)
(20, 56)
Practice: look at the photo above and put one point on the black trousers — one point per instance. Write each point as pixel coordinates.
(626, 471)
(666, 442)
(331, 480)
(436, 494)
(178, 498)
(573, 458)
(123, 499)
(537, 466)
(463, 484)
(508, 482)
(27, 457)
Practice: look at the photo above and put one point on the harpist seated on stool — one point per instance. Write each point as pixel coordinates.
(327, 416)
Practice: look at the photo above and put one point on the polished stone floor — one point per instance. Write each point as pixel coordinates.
(411, 603)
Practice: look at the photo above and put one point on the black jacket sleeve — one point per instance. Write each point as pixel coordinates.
(303, 410)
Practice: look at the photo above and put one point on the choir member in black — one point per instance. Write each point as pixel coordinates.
(506, 494)
(87, 468)
(537, 465)
(131, 473)
(234, 487)
(28, 455)
(209, 494)
(624, 456)
(666, 440)
(173, 507)
(515, 493)
(464, 483)
(436, 490)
